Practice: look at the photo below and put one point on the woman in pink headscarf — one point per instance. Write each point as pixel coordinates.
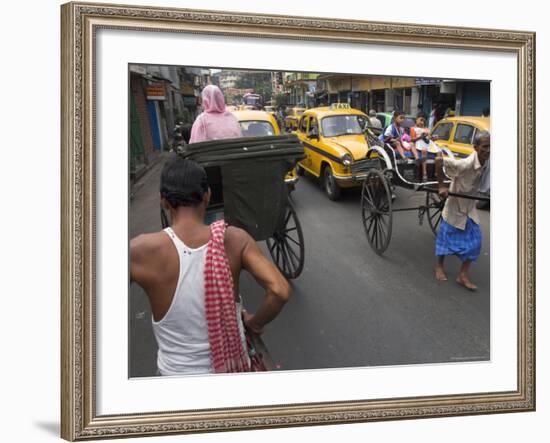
(215, 122)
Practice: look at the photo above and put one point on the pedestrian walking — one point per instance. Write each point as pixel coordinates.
(190, 273)
(459, 232)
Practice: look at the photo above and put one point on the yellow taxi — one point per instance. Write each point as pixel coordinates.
(270, 110)
(260, 124)
(458, 133)
(333, 139)
(293, 117)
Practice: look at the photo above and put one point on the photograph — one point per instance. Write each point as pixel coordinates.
(289, 220)
(283, 220)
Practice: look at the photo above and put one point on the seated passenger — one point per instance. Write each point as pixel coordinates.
(420, 137)
(393, 135)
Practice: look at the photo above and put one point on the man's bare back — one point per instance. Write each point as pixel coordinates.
(155, 267)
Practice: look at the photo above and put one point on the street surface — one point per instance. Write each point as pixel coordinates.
(350, 307)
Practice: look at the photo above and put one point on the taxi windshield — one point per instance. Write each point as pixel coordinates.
(257, 128)
(342, 125)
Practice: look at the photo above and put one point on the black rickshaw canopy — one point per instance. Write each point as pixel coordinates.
(247, 177)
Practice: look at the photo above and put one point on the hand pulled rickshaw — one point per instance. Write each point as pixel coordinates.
(247, 178)
(383, 170)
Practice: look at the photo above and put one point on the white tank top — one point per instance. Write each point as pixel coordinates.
(182, 334)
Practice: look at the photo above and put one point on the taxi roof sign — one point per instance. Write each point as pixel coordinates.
(340, 106)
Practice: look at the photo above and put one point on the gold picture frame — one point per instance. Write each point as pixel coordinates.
(80, 21)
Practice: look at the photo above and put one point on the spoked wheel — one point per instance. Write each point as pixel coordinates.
(287, 245)
(434, 210)
(164, 220)
(376, 210)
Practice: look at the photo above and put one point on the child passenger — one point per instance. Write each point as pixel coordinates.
(393, 135)
(419, 136)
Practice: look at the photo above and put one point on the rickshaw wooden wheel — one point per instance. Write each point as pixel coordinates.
(434, 210)
(286, 246)
(376, 210)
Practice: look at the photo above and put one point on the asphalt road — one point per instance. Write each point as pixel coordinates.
(350, 307)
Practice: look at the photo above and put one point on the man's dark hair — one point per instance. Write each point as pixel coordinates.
(485, 112)
(183, 182)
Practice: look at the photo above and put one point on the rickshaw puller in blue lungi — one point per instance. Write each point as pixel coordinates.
(459, 232)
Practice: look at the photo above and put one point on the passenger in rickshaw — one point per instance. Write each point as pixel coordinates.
(420, 137)
(215, 122)
(393, 136)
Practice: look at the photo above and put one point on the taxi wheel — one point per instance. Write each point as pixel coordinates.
(330, 186)
(299, 170)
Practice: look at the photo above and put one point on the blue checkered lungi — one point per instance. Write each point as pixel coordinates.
(464, 243)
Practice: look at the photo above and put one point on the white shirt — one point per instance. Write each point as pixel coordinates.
(182, 334)
(465, 175)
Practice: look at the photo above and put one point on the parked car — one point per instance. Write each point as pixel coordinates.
(457, 133)
(270, 109)
(292, 118)
(333, 139)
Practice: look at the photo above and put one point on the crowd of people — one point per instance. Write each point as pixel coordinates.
(190, 270)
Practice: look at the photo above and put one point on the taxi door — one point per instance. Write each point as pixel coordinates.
(306, 163)
(462, 139)
(443, 131)
(313, 145)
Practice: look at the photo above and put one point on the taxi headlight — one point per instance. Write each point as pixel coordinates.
(347, 160)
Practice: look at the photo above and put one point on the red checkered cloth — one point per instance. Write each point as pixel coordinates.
(226, 347)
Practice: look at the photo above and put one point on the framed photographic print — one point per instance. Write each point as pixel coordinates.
(374, 261)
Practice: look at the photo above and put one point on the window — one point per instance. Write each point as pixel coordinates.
(362, 121)
(464, 134)
(443, 131)
(256, 129)
(303, 125)
(341, 125)
(313, 125)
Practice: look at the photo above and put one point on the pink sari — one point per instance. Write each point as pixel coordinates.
(215, 122)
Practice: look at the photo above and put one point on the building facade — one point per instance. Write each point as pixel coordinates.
(160, 98)
(409, 94)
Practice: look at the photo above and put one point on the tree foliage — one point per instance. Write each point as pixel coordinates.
(260, 82)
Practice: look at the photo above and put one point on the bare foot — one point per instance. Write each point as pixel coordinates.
(465, 281)
(440, 274)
